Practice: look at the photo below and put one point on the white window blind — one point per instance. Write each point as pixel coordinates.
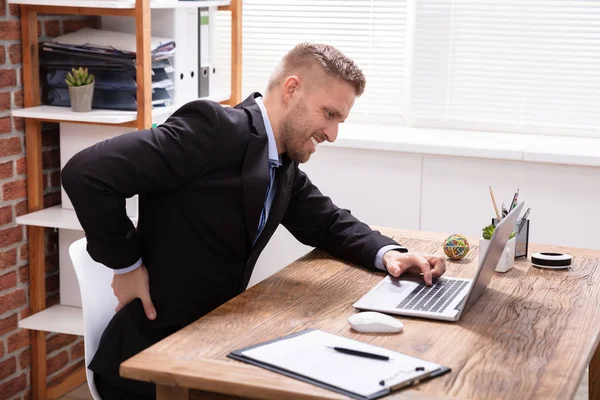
(517, 65)
(371, 32)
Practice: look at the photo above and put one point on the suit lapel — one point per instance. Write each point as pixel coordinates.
(255, 170)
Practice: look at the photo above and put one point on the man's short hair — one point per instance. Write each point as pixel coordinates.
(306, 56)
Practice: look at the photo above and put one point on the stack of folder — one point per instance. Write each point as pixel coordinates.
(111, 57)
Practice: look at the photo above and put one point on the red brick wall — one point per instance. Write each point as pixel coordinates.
(64, 352)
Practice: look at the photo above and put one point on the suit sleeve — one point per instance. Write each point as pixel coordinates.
(100, 178)
(315, 221)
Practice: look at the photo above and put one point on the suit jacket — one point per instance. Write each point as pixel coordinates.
(201, 178)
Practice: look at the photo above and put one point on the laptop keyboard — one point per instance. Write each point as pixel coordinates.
(434, 298)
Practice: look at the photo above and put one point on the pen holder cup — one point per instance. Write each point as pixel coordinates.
(522, 238)
(507, 258)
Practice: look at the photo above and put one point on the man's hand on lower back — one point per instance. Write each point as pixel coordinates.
(133, 285)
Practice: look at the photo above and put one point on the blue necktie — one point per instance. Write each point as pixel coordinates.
(263, 214)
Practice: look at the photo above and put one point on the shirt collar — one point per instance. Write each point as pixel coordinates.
(274, 157)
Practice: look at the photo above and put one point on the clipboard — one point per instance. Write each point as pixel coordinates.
(373, 378)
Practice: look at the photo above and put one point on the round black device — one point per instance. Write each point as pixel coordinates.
(551, 260)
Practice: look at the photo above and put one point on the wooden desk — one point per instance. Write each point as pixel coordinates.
(531, 335)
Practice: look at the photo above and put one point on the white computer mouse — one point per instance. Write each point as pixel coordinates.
(371, 321)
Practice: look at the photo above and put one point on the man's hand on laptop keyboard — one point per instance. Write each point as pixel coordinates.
(432, 266)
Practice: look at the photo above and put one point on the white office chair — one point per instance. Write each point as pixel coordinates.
(97, 300)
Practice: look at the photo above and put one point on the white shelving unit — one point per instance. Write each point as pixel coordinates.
(79, 130)
(123, 4)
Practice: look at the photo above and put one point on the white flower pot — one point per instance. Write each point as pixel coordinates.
(81, 97)
(507, 259)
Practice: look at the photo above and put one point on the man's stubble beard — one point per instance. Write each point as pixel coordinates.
(293, 133)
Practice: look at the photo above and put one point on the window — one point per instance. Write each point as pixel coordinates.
(504, 65)
(371, 32)
(509, 65)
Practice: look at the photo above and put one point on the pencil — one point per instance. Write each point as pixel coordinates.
(494, 203)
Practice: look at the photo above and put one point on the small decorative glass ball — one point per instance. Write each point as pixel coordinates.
(456, 246)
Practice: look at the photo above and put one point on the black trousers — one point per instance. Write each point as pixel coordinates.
(109, 391)
(128, 333)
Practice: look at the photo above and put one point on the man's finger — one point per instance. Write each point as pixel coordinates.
(394, 269)
(439, 266)
(149, 307)
(422, 263)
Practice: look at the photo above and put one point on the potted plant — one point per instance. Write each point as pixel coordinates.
(508, 256)
(81, 89)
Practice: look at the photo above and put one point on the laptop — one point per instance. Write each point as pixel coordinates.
(447, 297)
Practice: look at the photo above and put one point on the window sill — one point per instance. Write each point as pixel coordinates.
(550, 149)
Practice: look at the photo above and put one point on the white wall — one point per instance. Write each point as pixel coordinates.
(448, 195)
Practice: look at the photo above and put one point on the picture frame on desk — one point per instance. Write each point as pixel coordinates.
(522, 237)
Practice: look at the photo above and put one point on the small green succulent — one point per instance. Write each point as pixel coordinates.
(488, 231)
(79, 77)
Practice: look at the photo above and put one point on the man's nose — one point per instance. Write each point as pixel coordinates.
(331, 133)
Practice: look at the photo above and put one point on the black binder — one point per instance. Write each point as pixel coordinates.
(415, 380)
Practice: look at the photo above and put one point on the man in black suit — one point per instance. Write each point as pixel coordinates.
(214, 183)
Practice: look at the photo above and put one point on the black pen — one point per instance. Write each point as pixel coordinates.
(360, 353)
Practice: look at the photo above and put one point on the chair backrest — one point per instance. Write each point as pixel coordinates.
(97, 299)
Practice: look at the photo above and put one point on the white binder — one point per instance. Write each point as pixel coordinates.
(193, 43)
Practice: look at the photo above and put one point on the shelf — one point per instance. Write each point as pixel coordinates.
(54, 217)
(115, 4)
(60, 319)
(54, 113)
(190, 4)
(65, 114)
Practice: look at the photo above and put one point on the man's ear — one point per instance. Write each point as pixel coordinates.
(291, 85)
